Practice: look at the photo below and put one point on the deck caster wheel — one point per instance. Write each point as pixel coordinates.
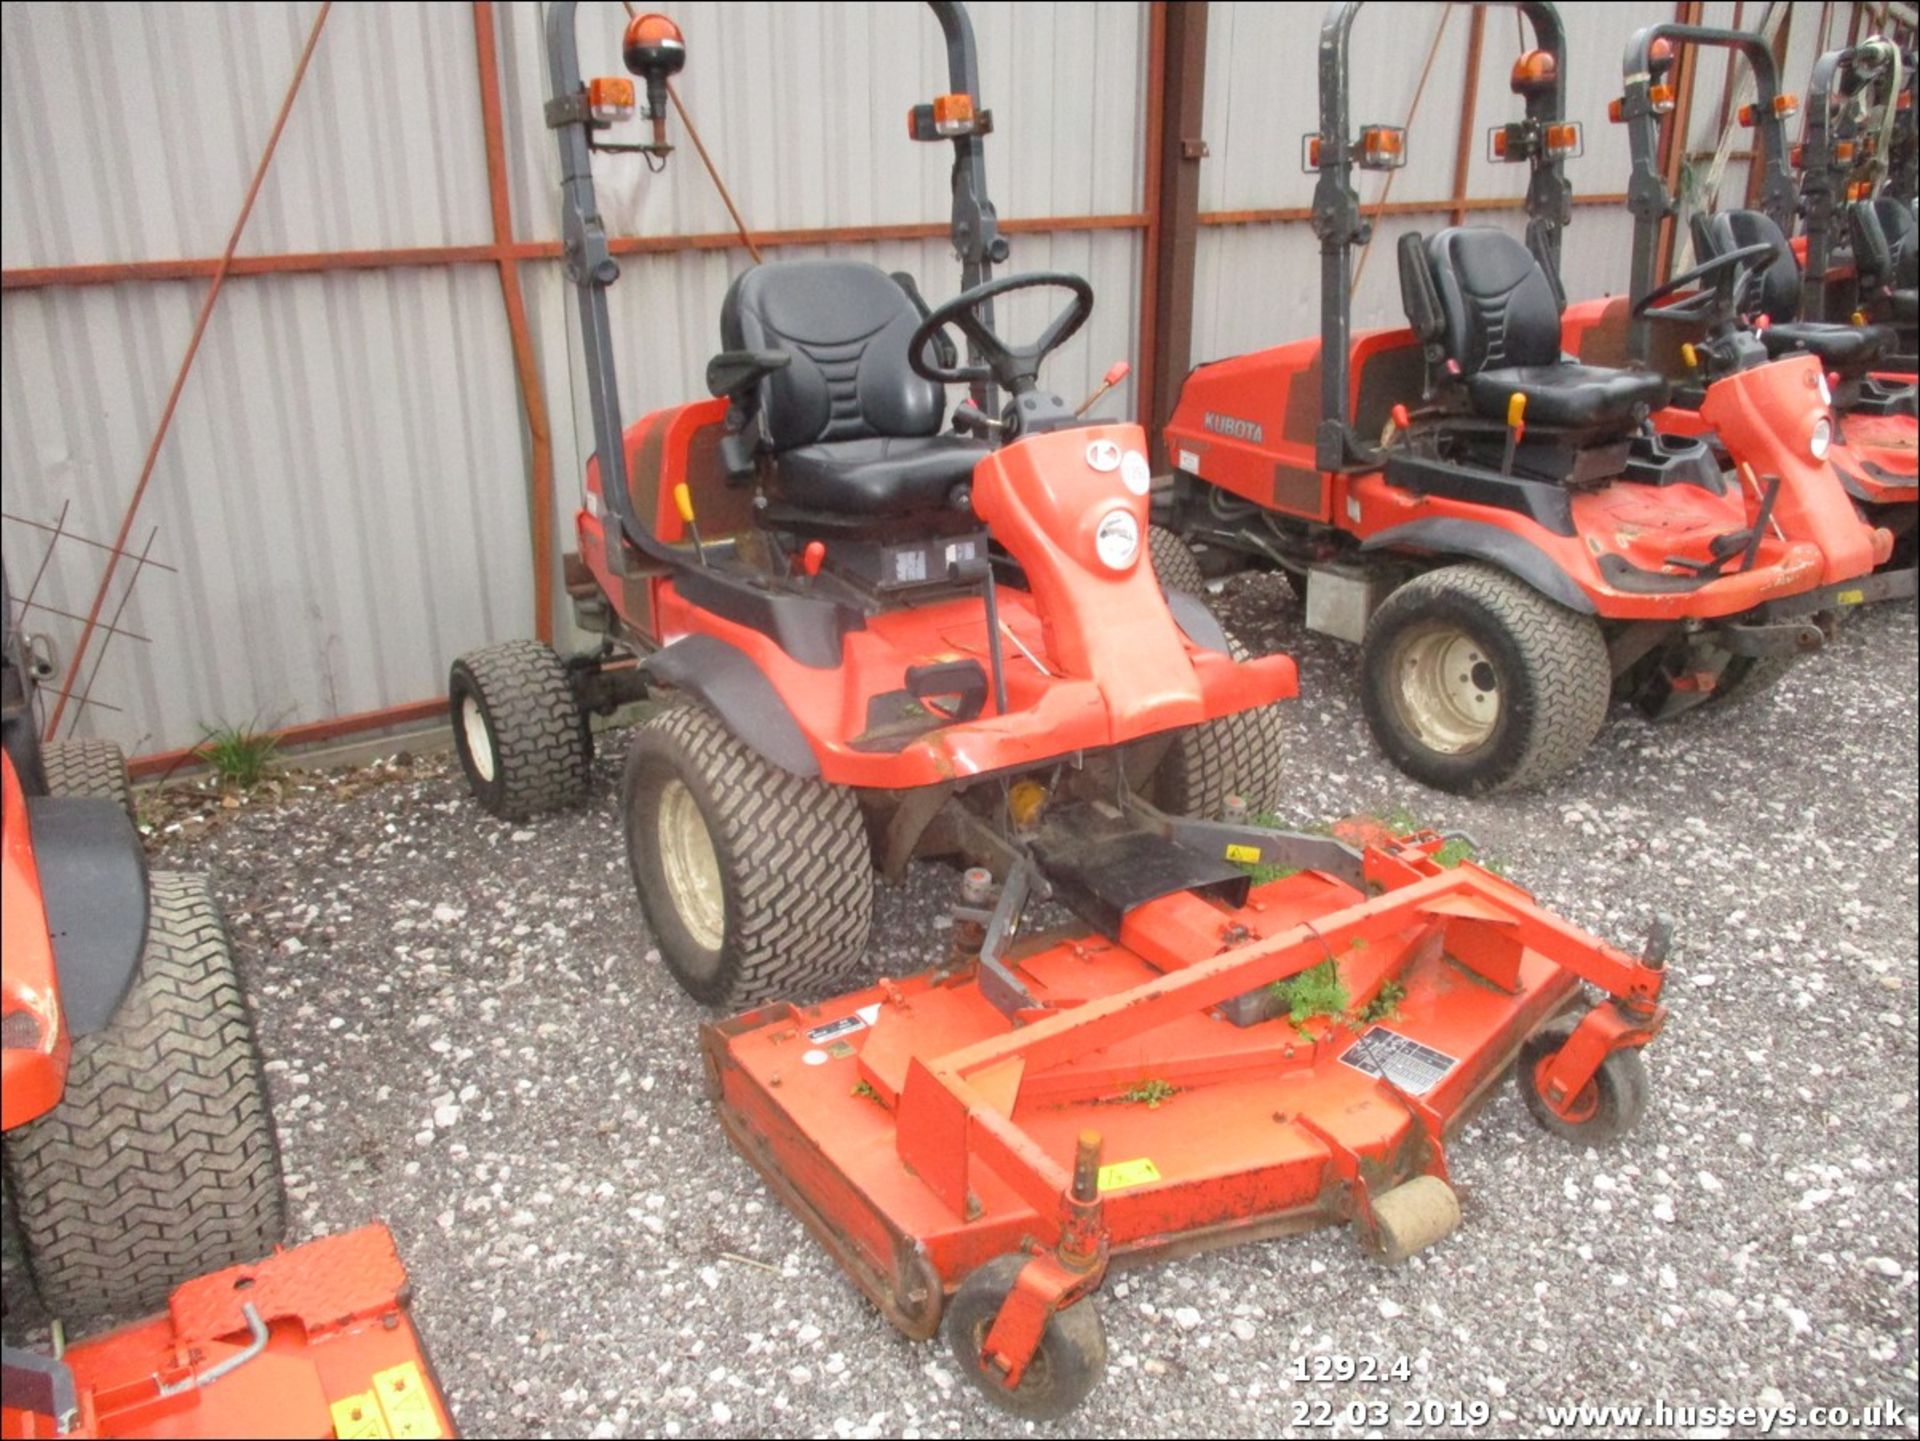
(1474, 682)
(517, 725)
(1608, 1106)
(1411, 1217)
(1069, 1364)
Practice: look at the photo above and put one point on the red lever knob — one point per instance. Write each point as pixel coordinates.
(1401, 420)
(813, 557)
(1116, 373)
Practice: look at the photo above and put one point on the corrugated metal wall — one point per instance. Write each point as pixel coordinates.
(342, 498)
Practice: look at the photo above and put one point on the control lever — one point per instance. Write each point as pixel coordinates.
(1516, 429)
(969, 417)
(979, 571)
(1116, 373)
(683, 502)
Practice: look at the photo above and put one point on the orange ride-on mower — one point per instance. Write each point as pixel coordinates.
(1497, 527)
(1687, 330)
(1859, 242)
(889, 642)
(139, 1150)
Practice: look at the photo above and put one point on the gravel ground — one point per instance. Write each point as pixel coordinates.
(473, 1041)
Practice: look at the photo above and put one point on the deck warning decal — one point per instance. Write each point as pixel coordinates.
(1401, 1060)
(1128, 1173)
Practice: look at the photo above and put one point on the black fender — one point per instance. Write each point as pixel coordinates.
(1475, 539)
(93, 883)
(1199, 624)
(738, 691)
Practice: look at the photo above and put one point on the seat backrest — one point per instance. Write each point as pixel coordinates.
(1773, 292)
(1496, 302)
(846, 325)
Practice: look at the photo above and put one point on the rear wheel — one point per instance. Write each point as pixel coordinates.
(1474, 682)
(1235, 755)
(756, 883)
(87, 768)
(160, 1161)
(518, 728)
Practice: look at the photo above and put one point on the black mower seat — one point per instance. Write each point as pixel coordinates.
(851, 428)
(1578, 397)
(1775, 293)
(882, 475)
(1502, 328)
(1841, 347)
(1886, 253)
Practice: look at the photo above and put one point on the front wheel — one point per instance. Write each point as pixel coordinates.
(756, 883)
(1233, 755)
(1474, 682)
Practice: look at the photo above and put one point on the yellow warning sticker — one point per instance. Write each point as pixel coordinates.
(1246, 855)
(406, 1402)
(1122, 1174)
(1851, 597)
(359, 1418)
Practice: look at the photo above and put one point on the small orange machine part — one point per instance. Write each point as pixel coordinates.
(334, 1354)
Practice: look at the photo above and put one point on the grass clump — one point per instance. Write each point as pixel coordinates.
(240, 757)
(1313, 993)
(1385, 1005)
(1150, 1093)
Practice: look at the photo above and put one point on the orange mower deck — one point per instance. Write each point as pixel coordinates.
(313, 1341)
(921, 1132)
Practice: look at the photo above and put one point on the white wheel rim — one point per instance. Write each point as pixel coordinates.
(1446, 689)
(473, 725)
(691, 866)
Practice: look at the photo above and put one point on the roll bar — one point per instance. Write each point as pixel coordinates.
(1338, 221)
(1647, 195)
(592, 269)
(1822, 175)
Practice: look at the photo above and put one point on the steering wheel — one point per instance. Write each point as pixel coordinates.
(1729, 273)
(1013, 367)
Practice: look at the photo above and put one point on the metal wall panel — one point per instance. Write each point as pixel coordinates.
(343, 492)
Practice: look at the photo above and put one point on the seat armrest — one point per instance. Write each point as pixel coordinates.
(735, 372)
(1417, 293)
(1872, 256)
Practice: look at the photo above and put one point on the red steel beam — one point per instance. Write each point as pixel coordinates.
(1680, 126)
(1288, 215)
(317, 261)
(533, 400)
(307, 733)
(1469, 99)
(1155, 141)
